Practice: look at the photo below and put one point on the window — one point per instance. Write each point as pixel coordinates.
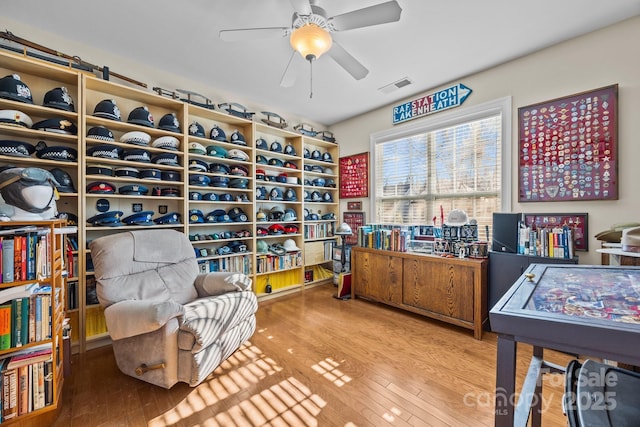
(454, 160)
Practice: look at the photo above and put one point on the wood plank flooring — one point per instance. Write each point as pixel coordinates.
(316, 361)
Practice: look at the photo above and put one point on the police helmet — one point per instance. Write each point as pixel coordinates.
(316, 197)
(196, 129)
(319, 182)
(261, 144)
(169, 122)
(63, 181)
(107, 109)
(290, 195)
(327, 197)
(307, 153)
(276, 214)
(238, 138)
(276, 147)
(275, 194)
(217, 134)
(261, 193)
(289, 215)
(290, 150)
(59, 98)
(11, 87)
(261, 215)
(326, 156)
(141, 116)
(315, 155)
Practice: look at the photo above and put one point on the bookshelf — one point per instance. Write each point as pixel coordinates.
(32, 301)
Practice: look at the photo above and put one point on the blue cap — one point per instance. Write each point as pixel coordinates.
(57, 125)
(109, 219)
(140, 218)
(198, 165)
(169, 159)
(170, 218)
(219, 181)
(198, 179)
(133, 189)
(210, 197)
(137, 155)
(154, 174)
(195, 216)
(194, 195)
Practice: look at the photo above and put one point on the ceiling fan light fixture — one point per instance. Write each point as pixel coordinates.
(311, 41)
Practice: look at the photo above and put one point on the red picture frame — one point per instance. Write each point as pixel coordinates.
(568, 148)
(354, 176)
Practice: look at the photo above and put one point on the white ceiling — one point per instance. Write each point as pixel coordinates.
(434, 43)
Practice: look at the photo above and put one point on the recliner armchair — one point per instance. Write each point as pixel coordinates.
(168, 322)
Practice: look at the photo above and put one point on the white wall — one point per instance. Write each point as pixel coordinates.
(601, 58)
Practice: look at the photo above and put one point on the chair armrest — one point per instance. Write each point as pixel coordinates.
(132, 317)
(218, 283)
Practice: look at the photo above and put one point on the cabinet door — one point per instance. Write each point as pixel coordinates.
(504, 270)
(379, 277)
(439, 287)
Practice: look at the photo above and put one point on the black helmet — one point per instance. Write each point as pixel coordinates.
(63, 181)
(12, 88)
(60, 99)
(141, 116)
(169, 122)
(107, 109)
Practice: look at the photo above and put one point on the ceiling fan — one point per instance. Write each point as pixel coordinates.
(310, 33)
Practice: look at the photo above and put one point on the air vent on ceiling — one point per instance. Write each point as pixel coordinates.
(405, 81)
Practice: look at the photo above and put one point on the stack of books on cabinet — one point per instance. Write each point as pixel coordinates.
(31, 317)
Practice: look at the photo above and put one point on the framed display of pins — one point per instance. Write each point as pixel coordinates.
(568, 148)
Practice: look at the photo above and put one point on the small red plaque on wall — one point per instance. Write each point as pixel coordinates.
(354, 176)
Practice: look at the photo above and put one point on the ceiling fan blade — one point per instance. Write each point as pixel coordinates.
(372, 15)
(252, 33)
(290, 74)
(348, 62)
(302, 7)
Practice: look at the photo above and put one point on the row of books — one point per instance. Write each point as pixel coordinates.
(269, 263)
(238, 264)
(318, 231)
(26, 379)
(25, 315)
(25, 254)
(552, 242)
(385, 237)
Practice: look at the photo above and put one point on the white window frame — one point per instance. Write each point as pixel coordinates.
(451, 118)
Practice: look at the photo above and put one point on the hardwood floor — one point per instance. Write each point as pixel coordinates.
(315, 360)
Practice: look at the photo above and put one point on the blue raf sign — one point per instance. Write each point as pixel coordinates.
(441, 100)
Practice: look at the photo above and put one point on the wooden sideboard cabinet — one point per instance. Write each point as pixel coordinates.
(449, 289)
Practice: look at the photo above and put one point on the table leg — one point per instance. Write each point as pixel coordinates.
(505, 381)
(536, 408)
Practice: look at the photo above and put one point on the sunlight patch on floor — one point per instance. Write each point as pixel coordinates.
(328, 368)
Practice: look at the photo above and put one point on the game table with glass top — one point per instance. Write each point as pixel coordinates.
(585, 310)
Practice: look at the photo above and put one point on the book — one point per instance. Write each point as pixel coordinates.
(38, 385)
(17, 258)
(29, 356)
(19, 321)
(19, 291)
(48, 382)
(5, 326)
(9, 394)
(31, 256)
(7, 260)
(23, 390)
